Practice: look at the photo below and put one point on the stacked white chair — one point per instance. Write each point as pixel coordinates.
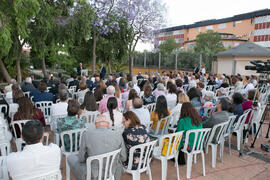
(89, 117)
(146, 150)
(106, 160)
(238, 128)
(215, 138)
(200, 136)
(77, 133)
(172, 142)
(228, 132)
(159, 132)
(45, 107)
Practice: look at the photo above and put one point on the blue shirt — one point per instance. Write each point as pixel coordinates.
(44, 96)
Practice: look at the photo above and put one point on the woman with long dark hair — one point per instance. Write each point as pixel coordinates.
(189, 119)
(89, 103)
(113, 114)
(160, 112)
(195, 97)
(98, 93)
(132, 94)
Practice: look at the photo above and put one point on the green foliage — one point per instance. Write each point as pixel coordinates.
(168, 46)
(208, 44)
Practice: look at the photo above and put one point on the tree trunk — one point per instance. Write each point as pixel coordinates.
(94, 53)
(130, 63)
(4, 71)
(18, 66)
(44, 71)
(109, 66)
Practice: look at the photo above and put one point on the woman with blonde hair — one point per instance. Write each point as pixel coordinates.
(118, 93)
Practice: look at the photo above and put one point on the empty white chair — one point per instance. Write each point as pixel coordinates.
(73, 145)
(164, 130)
(45, 107)
(215, 138)
(258, 114)
(48, 176)
(145, 150)
(238, 128)
(4, 147)
(228, 132)
(3, 168)
(89, 117)
(151, 107)
(199, 136)
(105, 162)
(168, 149)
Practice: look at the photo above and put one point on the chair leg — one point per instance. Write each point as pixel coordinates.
(136, 176)
(67, 170)
(238, 134)
(221, 150)
(164, 168)
(195, 158)
(214, 155)
(177, 168)
(149, 172)
(189, 165)
(203, 163)
(230, 150)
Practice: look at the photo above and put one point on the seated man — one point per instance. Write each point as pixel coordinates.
(35, 159)
(142, 113)
(94, 142)
(28, 86)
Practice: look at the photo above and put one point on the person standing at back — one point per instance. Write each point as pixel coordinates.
(35, 159)
(102, 72)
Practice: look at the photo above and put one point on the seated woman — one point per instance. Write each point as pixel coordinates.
(113, 114)
(182, 97)
(195, 97)
(160, 112)
(253, 95)
(134, 134)
(17, 93)
(70, 122)
(189, 119)
(237, 100)
(132, 94)
(89, 103)
(148, 97)
(160, 90)
(27, 111)
(98, 93)
(83, 89)
(171, 97)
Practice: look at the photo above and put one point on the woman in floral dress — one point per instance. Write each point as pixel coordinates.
(134, 134)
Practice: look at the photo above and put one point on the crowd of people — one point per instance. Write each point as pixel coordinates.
(120, 100)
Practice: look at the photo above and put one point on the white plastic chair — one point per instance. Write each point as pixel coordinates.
(159, 132)
(145, 150)
(18, 140)
(215, 138)
(151, 107)
(53, 126)
(49, 176)
(89, 117)
(258, 114)
(199, 136)
(5, 148)
(80, 100)
(73, 88)
(27, 94)
(3, 108)
(77, 133)
(173, 123)
(172, 151)
(105, 162)
(186, 87)
(228, 132)
(238, 128)
(3, 168)
(147, 125)
(45, 107)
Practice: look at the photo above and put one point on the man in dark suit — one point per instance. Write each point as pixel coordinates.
(102, 71)
(196, 69)
(79, 69)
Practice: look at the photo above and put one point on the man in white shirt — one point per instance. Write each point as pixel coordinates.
(61, 107)
(142, 113)
(35, 159)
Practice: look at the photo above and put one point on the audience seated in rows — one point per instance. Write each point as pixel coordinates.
(95, 142)
(182, 97)
(35, 159)
(89, 103)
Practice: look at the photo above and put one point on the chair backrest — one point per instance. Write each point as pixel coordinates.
(145, 154)
(75, 142)
(185, 87)
(200, 135)
(4, 108)
(228, 128)
(147, 124)
(217, 132)
(49, 176)
(5, 148)
(105, 165)
(89, 116)
(241, 120)
(45, 107)
(165, 121)
(27, 94)
(54, 118)
(169, 144)
(3, 168)
(151, 107)
(19, 124)
(73, 88)
(175, 118)
(80, 100)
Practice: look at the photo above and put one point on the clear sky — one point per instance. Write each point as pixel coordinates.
(183, 12)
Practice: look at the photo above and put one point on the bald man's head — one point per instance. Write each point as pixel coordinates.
(137, 103)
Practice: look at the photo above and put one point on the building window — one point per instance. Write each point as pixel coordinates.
(222, 26)
(169, 33)
(209, 28)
